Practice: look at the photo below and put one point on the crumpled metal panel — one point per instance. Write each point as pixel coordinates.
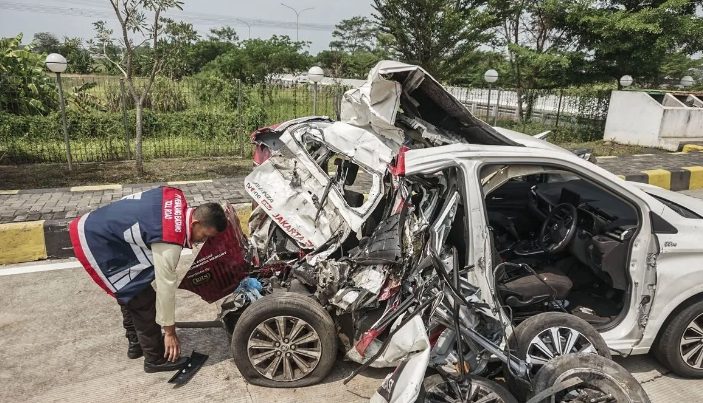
(290, 196)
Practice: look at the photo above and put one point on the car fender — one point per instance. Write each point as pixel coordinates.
(676, 284)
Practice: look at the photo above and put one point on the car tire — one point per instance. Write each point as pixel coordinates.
(433, 391)
(264, 354)
(600, 374)
(669, 349)
(523, 339)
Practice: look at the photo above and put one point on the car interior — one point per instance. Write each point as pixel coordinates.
(565, 242)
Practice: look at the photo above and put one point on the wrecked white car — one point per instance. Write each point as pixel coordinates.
(412, 235)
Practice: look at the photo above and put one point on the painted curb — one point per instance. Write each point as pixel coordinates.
(684, 178)
(34, 240)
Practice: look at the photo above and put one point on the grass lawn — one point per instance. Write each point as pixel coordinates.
(602, 148)
(33, 176)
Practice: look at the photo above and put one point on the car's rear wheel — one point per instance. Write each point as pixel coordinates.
(284, 340)
(680, 345)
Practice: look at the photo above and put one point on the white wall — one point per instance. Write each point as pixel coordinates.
(636, 118)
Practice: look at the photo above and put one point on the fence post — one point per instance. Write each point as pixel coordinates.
(239, 116)
(125, 122)
(561, 94)
(495, 118)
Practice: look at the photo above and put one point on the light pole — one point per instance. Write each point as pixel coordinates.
(490, 76)
(57, 64)
(297, 17)
(687, 81)
(248, 26)
(315, 74)
(626, 81)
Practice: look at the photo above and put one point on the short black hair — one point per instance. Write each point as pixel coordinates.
(211, 215)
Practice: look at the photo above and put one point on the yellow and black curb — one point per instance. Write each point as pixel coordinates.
(34, 240)
(683, 178)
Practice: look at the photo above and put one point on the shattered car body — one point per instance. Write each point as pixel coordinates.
(432, 239)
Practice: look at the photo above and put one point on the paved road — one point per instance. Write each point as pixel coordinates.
(61, 340)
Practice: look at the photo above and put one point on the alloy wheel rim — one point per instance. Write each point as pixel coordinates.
(451, 391)
(691, 344)
(553, 342)
(284, 348)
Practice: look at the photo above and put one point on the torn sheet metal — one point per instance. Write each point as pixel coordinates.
(390, 84)
(410, 347)
(290, 196)
(363, 291)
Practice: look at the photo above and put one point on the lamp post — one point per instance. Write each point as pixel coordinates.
(315, 74)
(57, 64)
(490, 76)
(626, 81)
(248, 26)
(687, 81)
(297, 17)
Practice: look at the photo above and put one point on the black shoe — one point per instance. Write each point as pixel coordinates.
(164, 365)
(134, 350)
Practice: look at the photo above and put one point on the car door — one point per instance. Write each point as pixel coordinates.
(640, 268)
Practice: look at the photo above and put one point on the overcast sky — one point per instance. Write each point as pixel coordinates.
(266, 17)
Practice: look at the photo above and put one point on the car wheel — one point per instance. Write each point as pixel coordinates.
(598, 379)
(545, 336)
(284, 340)
(680, 345)
(435, 388)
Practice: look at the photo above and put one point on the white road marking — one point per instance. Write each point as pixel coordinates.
(10, 270)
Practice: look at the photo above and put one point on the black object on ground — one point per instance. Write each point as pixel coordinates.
(192, 366)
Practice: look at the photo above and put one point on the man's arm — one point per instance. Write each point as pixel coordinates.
(166, 258)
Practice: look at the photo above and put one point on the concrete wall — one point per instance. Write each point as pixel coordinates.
(636, 118)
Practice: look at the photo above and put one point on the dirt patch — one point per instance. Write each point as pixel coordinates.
(33, 176)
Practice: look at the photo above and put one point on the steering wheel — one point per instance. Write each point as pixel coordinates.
(559, 228)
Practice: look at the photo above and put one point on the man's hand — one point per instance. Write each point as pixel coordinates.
(172, 347)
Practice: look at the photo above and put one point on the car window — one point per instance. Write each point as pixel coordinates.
(679, 209)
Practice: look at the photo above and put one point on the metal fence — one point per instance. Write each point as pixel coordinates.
(209, 116)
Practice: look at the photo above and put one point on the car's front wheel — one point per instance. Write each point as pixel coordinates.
(284, 340)
(680, 345)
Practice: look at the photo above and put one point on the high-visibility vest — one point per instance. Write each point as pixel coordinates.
(113, 243)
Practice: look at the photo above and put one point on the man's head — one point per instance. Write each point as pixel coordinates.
(208, 220)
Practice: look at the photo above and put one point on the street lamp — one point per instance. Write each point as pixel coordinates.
(315, 74)
(626, 81)
(490, 76)
(247, 24)
(687, 81)
(57, 64)
(297, 17)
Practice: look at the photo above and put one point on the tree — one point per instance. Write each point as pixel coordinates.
(223, 34)
(354, 34)
(177, 47)
(45, 43)
(137, 19)
(79, 59)
(25, 88)
(618, 37)
(256, 60)
(439, 35)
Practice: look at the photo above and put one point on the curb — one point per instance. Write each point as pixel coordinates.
(29, 241)
(34, 240)
(684, 178)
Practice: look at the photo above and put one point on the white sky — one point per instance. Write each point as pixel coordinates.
(267, 17)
